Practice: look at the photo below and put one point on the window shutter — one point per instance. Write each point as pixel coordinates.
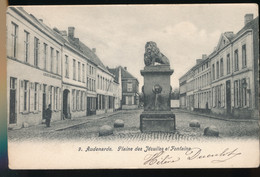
(31, 93)
(240, 93)
(232, 89)
(224, 95)
(21, 95)
(248, 95)
(40, 97)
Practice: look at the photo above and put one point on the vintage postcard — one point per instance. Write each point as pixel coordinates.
(133, 86)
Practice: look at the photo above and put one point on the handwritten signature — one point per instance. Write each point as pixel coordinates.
(163, 157)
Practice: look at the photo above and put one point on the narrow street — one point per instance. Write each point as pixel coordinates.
(88, 127)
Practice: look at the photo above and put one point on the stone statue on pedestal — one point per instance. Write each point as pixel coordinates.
(157, 115)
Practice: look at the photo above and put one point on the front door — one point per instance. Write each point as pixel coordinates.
(12, 101)
(43, 105)
(228, 96)
(12, 115)
(88, 106)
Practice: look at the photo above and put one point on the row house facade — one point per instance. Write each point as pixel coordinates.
(226, 82)
(48, 66)
(34, 69)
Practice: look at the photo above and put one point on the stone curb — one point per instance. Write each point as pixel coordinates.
(219, 118)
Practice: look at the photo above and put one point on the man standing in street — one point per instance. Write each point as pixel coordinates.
(48, 115)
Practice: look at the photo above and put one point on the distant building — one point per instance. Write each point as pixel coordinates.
(129, 86)
(226, 82)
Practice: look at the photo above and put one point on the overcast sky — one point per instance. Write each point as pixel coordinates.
(119, 33)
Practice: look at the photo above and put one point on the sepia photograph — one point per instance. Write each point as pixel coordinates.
(133, 86)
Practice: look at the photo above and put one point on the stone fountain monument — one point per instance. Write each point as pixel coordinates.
(157, 115)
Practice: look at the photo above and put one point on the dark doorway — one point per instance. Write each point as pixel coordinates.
(228, 96)
(66, 108)
(12, 112)
(44, 101)
(88, 106)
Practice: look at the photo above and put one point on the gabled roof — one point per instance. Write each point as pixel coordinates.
(124, 73)
(225, 39)
(115, 71)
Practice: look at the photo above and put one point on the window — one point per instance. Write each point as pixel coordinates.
(57, 61)
(79, 79)
(45, 55)
(129, 87)
(98, 82)
(77, 100)
(83, 73)
(74, 69)
(14, 39)
(51, 63)
(228, 63)
(213, 71)
(236, 60)
(26, 96)
(217, 69)
(26, 46)
(56, 98)
(36, 96)
(36, 51)
(73, 100)
(66, 66)
(244, 62)
(51, 92)
(221, 67)
(237, 94)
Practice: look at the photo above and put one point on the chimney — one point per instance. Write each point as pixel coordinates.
(125, 68)
(94, 50)
(41, 20)
(63, 33)
(198, 61)
(248, 18)
(71, 30)
(204, 56)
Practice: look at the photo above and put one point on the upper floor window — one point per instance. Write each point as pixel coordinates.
(221, 67)
(45, 55)
(213, 71)
(74, 69)
(14, 39)
(129, 87)
(26, 46)
(83, 73)
(236, 60)
(79, 78)
(36, 51)
(57, 61)
(228, 63)
(51, 63)
(244, 62)
(217, 69)
(66, 66)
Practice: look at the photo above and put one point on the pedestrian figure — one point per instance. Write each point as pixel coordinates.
(48, 115)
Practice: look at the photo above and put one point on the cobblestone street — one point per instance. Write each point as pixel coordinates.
(88, 127)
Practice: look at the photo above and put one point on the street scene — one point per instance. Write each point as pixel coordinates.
(146, 88)
(87, 128)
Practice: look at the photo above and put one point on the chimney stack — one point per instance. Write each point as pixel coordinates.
(41, 20)
(125, 68)
(71, 30)
(204, 56)
(94, 50)
(248, 18)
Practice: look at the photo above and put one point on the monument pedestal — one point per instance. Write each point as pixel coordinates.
(157, 115)
(157, 122)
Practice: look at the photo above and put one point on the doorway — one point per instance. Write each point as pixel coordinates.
(12, 110)
(228, 96)
(44, 101)
(66, 107)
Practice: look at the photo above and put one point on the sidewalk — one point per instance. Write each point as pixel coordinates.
(67, 123)
(223, 117)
